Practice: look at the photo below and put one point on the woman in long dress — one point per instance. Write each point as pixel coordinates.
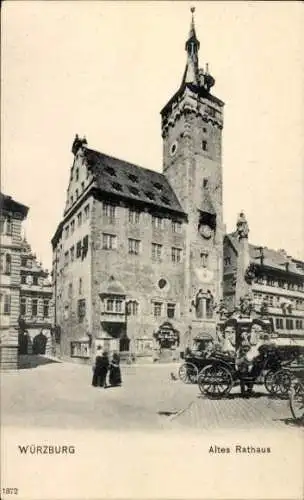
(100, 369)
(115, 373)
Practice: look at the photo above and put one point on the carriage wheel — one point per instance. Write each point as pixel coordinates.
(188, 373)
(215, 381)
(296, 400)
(278, 382)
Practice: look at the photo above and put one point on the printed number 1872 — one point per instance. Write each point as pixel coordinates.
(10, 491)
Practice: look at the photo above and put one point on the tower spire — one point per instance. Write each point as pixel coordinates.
(191, 74)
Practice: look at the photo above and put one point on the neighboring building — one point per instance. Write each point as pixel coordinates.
(274, 280)
(11, 217)
(35, 305)
(138, 256)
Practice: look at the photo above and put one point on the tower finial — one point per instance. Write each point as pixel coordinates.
(191, 74)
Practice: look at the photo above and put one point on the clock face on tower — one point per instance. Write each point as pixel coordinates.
(205, 231)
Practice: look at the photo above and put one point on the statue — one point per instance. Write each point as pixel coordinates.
(222, 310)
(242, 226)
(250, 273)
(246, 305)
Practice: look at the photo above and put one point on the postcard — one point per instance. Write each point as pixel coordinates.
(152, 258)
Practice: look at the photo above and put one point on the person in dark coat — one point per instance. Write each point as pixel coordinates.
(115, 373)
(100, 369)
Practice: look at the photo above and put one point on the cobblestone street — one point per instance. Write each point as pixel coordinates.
(61, 395)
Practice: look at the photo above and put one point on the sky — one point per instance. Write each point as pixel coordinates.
(105, 70)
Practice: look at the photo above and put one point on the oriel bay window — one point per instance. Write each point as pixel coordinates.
(114, 305)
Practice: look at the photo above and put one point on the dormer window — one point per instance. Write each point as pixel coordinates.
(150, 195)
(117, 186)
(158, 186)
(110, 171)
(165, 200)
(134, 190)
(133, 177)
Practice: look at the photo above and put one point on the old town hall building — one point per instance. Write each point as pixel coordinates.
(137, 257)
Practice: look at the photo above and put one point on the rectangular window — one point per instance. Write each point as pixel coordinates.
(72, 253)
(157, 309)
(85, 246)
(157, 222)
(9, 227)
(108, 211)
(46, 308)
(132, 308)
(204, 259)
(82, 186)
(23, 279)
(77, 174)
(76, 194)
(34, 307)
(80, 286)
(72, 226)
(279, 323)
(79, 219)
(176, 254)
(86, 212)
(23, 306)
(289, 324)
(81, 310)
(7, 304)
(156, 251)
(134, 246)
(171, 310)
(176, 226)
(66, 232)
(2, 220)
(66, 258)
(134, 216)
(227, 261)
(23, 261)
(70, 290)
(78, 249)
(35, 280)
(109, 241)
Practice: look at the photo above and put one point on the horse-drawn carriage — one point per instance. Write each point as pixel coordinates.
(244, 354)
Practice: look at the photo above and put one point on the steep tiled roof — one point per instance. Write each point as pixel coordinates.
(11, 205)
(277, 259)
(133, 182)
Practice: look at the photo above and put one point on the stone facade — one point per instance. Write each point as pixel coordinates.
(12, 215)
(272, 280)
(36, 311)
(137, 257)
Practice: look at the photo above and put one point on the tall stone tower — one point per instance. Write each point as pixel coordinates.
(192, 123)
